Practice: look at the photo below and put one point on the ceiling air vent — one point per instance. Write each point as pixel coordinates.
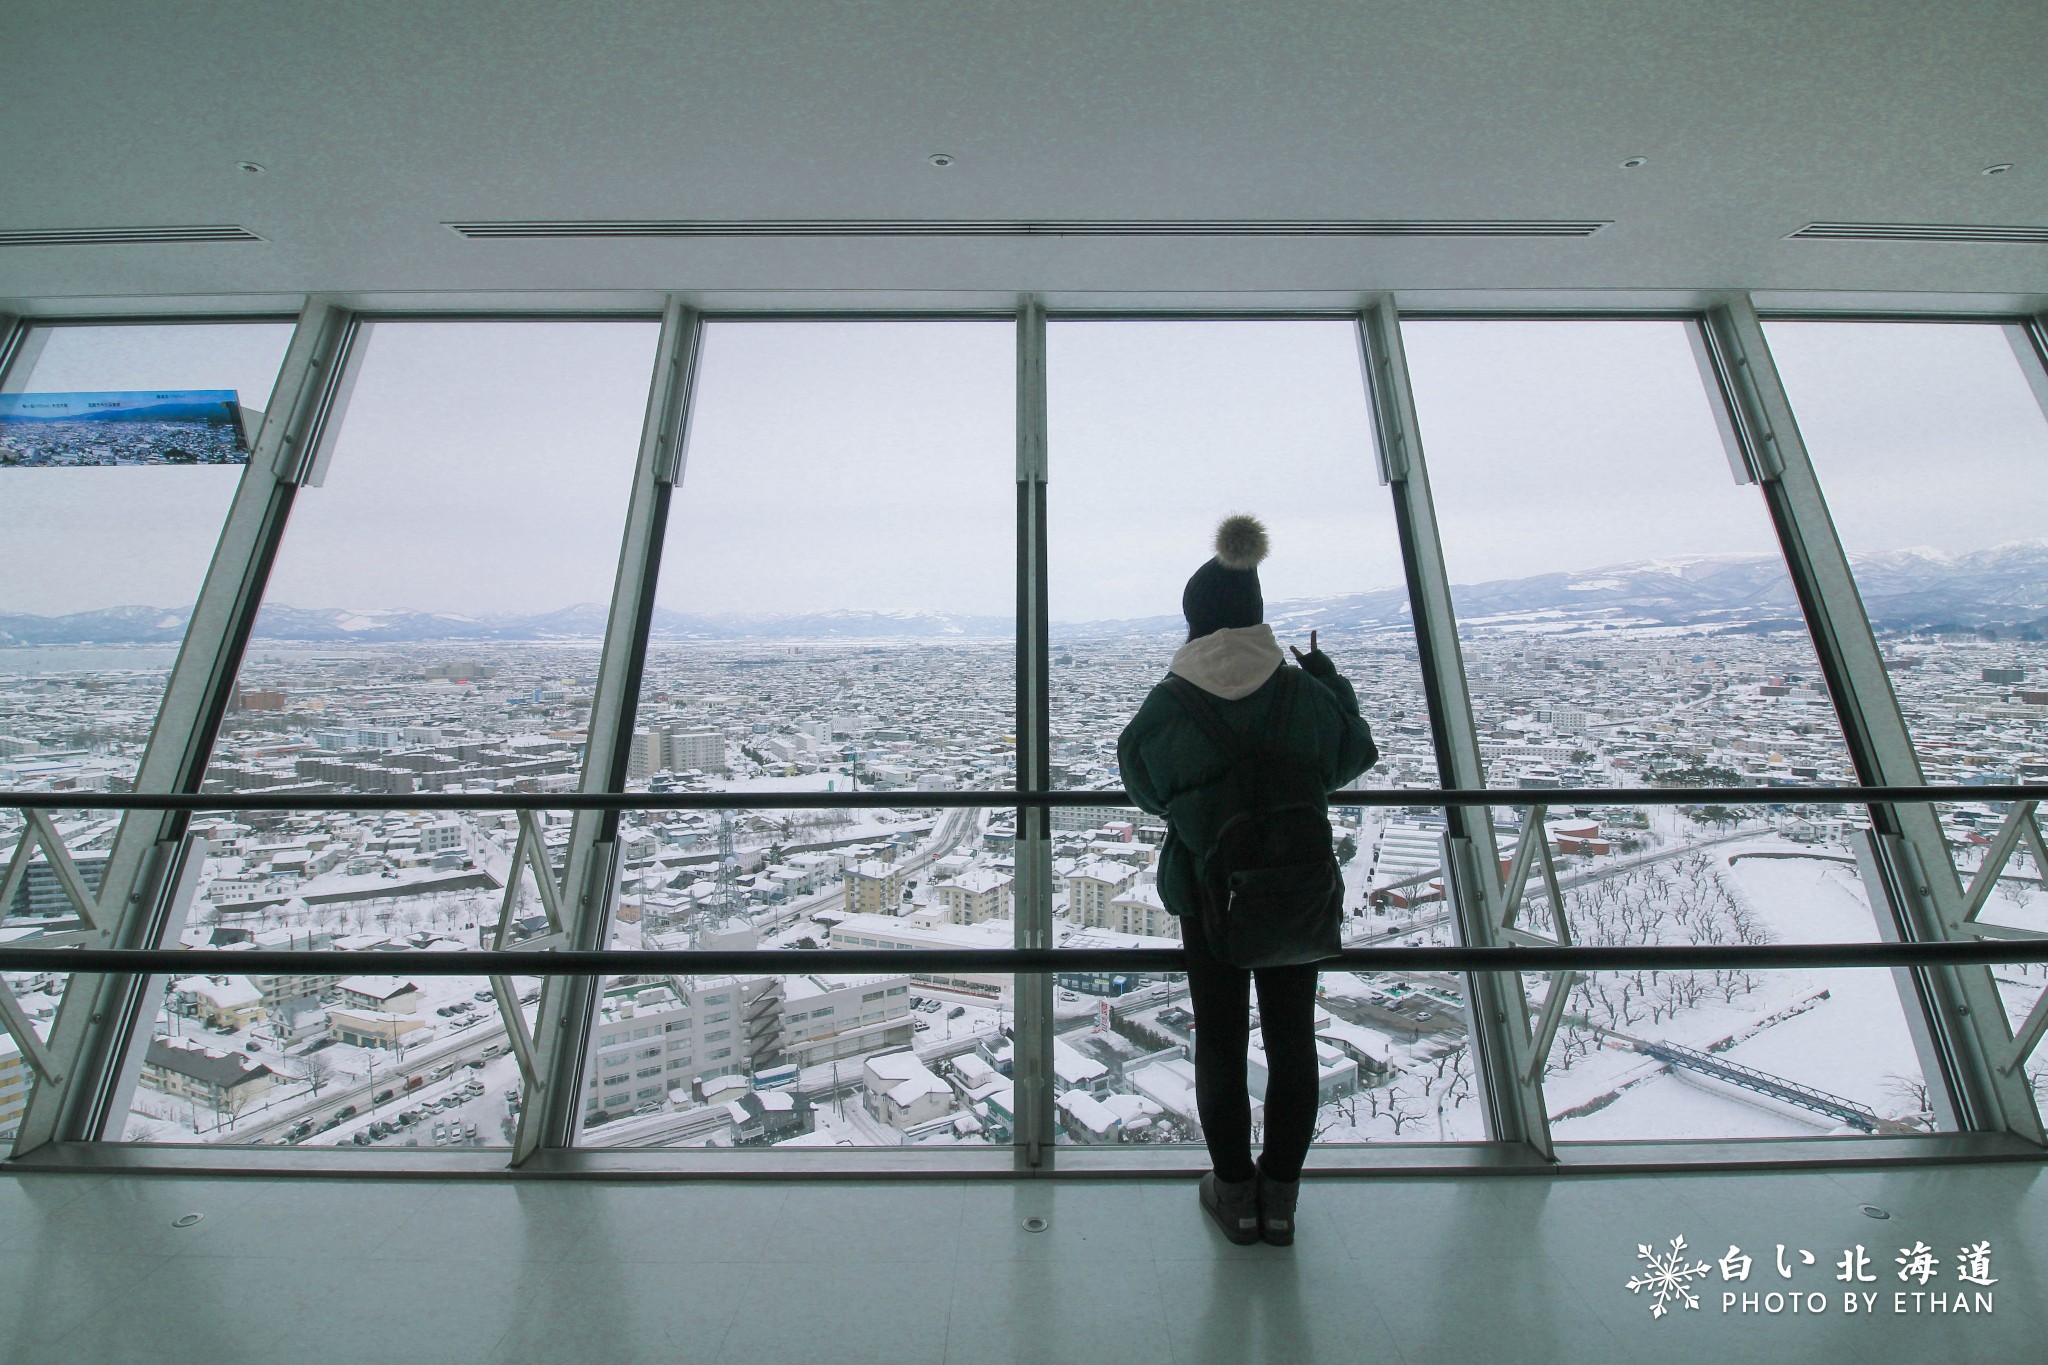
(1918, 232)
(915, 227)
(122, 236)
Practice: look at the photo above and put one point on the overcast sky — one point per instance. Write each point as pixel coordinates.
(484, 467)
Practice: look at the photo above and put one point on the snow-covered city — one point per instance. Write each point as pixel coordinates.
(379, 1058)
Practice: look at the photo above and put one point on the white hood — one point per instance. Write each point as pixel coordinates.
(1230, 663)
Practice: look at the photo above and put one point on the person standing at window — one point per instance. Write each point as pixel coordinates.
(1167, 753)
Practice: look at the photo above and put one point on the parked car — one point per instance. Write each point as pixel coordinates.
(956, 1011)
(253, 1047)
(361, 1138)
(481, 995)
(471, 1132)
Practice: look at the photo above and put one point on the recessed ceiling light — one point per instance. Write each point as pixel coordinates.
(249, 166)
(1635, 163)
(1998, 168)
(940, 159)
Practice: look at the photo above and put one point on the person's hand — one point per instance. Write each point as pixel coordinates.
(1315, 661)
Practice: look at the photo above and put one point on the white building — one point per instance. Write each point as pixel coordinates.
(442, 836)
(699, 750)
(975, 895)
(827, 1018)
(1406, 851)
(388, 993)
(1140, 911)
(650, 1040)
(887, 931)
(873, 887)
(1091, 887)
(903, 1092)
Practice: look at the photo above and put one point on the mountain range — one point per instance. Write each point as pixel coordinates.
(2003, 590)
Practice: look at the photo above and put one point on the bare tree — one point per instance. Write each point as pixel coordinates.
(316, 1069)
(1910, 1091)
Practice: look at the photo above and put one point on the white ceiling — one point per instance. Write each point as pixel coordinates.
(380, 120)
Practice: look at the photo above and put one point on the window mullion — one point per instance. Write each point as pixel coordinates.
(1958, 1025)
(1032, 991)
(102, 1025)
(568, 1004)
(1495, 1003)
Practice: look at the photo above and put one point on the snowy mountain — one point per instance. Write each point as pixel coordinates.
(2003, 589)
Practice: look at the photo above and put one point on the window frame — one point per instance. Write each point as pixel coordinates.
(96, 1038)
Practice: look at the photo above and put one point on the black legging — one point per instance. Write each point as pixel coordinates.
(1221, 995)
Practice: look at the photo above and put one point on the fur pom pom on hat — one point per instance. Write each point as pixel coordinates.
(1240, 542)
(1224, 593)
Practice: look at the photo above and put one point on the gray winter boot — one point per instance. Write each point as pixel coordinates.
(1234, 1204)
(1276, 1209)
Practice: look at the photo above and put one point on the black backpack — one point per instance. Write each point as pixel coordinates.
(1271, 892)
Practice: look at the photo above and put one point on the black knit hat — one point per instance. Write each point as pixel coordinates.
(1224, 593)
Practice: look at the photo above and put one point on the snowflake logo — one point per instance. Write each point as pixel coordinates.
(1667, 1277)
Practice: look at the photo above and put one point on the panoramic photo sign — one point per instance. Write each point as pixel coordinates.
(70, 430)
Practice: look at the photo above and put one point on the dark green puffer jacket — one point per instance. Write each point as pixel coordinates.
(1164, 754)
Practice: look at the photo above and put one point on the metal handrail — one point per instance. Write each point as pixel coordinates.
(863, 961)
(1839, 795)
(514, 962)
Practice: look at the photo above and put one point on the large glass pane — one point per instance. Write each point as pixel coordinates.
(1623, 606)
(802, 1060)
(120, 450)
(837, 591)
(433, 623)
(1931, 445)
(835, 614)
(1158, 430)
(1722, 1053)
(668, 1050)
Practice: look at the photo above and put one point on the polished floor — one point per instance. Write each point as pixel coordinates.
(96, 1269)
